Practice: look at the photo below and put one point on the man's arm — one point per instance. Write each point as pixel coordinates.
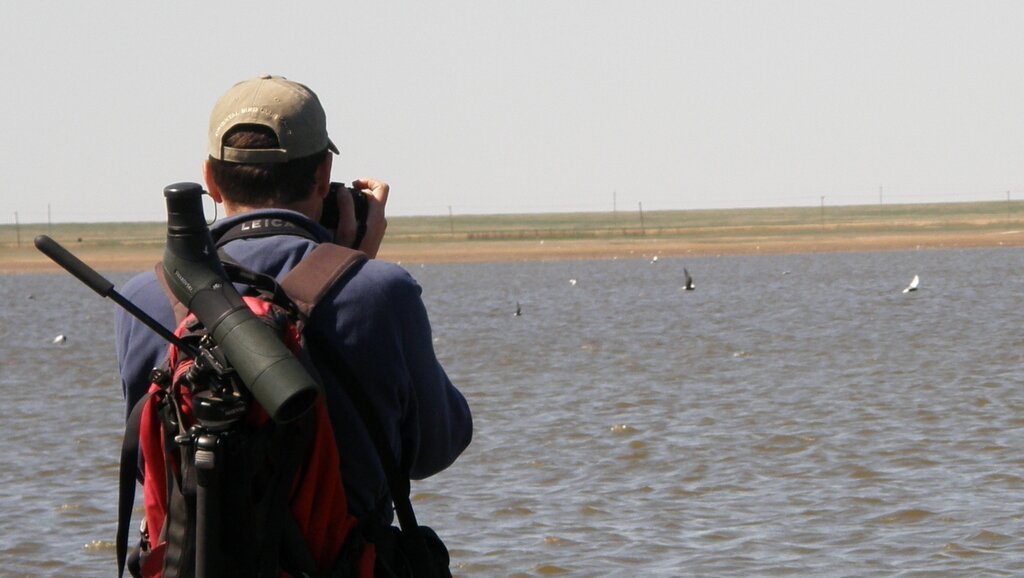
(382, 330)
(439, 413)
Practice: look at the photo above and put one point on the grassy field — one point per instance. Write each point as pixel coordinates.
(474, 238)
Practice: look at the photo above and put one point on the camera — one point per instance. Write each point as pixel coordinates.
(329, 215)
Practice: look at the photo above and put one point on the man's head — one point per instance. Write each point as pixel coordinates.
(267, 141)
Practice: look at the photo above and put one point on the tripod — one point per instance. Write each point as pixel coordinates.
(218, 405)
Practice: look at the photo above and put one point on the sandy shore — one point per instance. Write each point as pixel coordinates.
(126, 258)
(625, 248)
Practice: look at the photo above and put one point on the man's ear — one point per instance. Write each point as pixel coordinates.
(211, 186)
(323, 176)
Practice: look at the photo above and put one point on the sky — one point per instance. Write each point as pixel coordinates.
(481, 107)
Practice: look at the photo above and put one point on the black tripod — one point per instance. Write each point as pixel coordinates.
(217, 411)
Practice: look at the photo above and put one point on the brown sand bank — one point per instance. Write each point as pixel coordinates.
(711, 246)
(129, 256)
(550, 237)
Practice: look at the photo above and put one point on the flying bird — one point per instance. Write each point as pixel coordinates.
(913, 285)
(687, 280)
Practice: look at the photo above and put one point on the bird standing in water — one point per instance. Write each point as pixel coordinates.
(687, 280)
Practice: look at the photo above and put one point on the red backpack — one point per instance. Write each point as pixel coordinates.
(281, 508)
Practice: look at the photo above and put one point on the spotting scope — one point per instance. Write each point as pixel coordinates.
(276, 378)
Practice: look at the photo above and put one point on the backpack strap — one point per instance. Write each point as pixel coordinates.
(129, 474)
(306, 285)
(314, 276)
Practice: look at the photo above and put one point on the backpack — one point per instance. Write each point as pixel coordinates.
(280, 507)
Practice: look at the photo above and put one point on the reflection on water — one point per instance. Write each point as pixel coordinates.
(795, 415)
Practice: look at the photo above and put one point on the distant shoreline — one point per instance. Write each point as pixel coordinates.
(127, 247)
(676, 247)
(130, 257)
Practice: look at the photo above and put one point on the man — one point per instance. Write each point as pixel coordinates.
(270, 165)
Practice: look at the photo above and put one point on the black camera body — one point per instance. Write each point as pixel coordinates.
(329, 215)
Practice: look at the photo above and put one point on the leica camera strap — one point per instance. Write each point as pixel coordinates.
(266, 227)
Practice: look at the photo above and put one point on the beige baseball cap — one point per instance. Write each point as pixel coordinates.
(288, 108)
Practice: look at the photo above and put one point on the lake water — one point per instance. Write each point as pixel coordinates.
(792, 416)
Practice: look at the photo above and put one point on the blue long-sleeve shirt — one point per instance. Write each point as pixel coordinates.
(375, 322)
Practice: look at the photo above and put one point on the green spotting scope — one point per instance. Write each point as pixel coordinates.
(275, 377)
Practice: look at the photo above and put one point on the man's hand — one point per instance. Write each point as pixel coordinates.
(376, 223)
(376, 193)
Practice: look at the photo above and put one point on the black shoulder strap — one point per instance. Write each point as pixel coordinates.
(397, 474)
(128, 476)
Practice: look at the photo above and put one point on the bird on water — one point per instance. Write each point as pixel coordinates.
(687, 280)
(913, 285)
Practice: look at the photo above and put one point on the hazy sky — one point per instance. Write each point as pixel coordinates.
(528, 105)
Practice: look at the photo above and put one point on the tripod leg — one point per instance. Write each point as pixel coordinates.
(207, 502)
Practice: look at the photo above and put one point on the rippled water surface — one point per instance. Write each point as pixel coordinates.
(792, 416)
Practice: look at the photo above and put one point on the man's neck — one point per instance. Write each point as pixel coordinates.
(311, 208)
